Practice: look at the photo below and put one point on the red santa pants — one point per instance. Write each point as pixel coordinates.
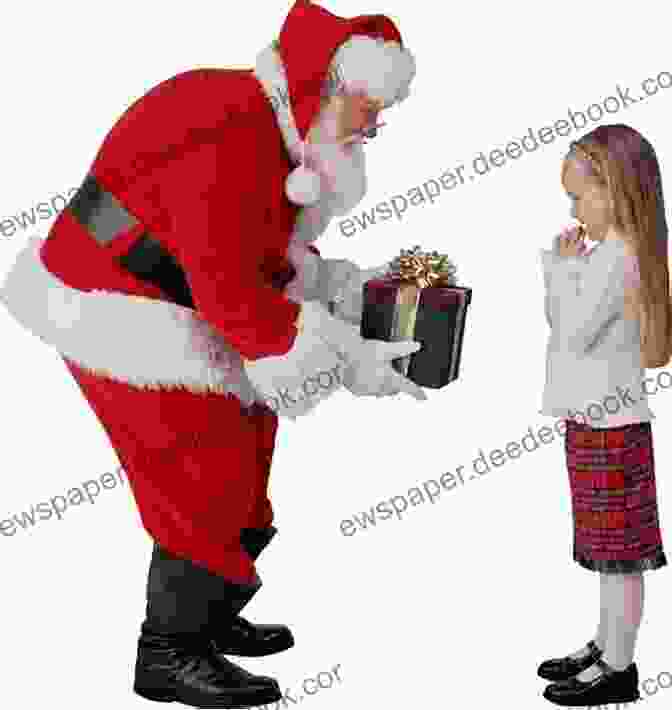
(198, 465)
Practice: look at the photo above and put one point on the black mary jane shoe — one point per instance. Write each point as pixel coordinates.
(559, 669)
(611, 686)
(243, 638)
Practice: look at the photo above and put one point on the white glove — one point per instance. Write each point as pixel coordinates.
(368, 363)
(327, 354)
(349, 301)
(371, 372)
(294, 383)
(342, 283)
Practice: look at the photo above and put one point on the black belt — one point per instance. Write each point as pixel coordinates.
(104, 217)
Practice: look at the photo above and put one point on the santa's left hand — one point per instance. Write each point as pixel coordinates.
(349, 299)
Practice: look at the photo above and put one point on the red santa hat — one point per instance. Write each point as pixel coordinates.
(369, 54)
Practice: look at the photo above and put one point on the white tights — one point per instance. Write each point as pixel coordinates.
(621, 609)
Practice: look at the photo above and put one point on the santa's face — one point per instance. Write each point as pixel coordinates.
(337, 153)
(357, 114)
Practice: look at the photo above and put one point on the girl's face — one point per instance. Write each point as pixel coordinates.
(590, 200)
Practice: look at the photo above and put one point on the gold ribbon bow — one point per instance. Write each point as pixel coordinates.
(424, 269)
(416, 270)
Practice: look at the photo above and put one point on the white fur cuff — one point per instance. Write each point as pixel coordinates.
(294, 383)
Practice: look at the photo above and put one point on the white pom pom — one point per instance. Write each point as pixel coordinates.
(303, 186)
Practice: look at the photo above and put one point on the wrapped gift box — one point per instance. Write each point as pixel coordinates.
(420, 300)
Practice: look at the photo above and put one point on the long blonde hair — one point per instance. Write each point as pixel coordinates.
(626, 163)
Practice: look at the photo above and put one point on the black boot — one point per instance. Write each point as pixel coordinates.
(610, 686)
(558, 669)
(175, 659)
(235, 636)
(255, 540)
(179, 667)
(243, 638)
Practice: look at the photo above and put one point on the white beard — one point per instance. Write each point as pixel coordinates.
(342, 170)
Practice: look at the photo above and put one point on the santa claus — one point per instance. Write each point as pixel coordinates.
(183, 291)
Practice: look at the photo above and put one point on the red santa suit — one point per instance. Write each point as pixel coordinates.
(200, 164)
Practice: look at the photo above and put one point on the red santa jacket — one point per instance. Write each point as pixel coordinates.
(199, 161)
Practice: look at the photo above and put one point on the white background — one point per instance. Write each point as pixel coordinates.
(456, 604)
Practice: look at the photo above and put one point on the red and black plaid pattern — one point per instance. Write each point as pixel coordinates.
(614, 504)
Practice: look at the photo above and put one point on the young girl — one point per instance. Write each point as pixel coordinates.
(610, 315)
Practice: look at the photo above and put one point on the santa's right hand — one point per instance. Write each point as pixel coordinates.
(370, 372)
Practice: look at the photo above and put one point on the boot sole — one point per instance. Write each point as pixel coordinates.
(156, 696)
(262, 697)
(268, 651)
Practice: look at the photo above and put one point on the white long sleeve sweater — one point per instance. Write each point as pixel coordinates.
(593, 359)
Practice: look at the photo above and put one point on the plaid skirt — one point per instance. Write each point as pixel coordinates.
(614, 504)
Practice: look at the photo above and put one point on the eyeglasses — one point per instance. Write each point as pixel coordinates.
(364, 133)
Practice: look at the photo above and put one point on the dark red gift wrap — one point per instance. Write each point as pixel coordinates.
(434, 316)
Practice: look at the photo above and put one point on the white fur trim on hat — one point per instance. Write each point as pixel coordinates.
(303, 185)
(270, 73)
(384, 69)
